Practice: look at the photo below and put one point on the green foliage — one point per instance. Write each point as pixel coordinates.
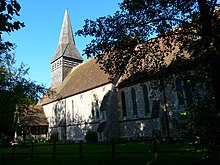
(137, 22)
(204, 126)
(8, 12)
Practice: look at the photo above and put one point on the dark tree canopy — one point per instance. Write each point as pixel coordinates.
(164, 37)
(173, 23)
(16, 93)
(16, 90)
(9, 9)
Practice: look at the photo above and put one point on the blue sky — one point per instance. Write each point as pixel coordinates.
(37, 42)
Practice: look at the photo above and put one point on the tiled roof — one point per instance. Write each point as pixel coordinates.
(84, 77)
(144, 74)
(34, 116)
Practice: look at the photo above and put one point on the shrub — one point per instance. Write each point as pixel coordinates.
(91, 136)
(2, 139)
(54, 135)
(29, 138)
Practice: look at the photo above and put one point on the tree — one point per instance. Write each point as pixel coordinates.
(163, 37)
(16, 91)
(8, 11)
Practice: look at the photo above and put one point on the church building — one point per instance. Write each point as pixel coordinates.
(83, 99)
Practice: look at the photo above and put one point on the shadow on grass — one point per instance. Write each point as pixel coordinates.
(164, 159)
(86, 160)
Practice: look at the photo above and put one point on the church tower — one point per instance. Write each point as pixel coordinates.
(66, 55)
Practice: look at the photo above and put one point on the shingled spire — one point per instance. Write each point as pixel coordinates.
(66, 45)
(66, 55)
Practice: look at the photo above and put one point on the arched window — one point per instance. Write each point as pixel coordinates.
(95, 107)
(184, 93)
(188, 92)
(133, 94)
(179, 90)
(146, 100)
(123, 104)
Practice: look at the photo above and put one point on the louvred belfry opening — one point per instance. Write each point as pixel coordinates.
(66, 55)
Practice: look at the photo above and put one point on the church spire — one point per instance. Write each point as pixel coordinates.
(66, 34)
(66, 55)
(66, 45)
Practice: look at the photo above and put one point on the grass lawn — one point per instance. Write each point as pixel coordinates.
(95, 154)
